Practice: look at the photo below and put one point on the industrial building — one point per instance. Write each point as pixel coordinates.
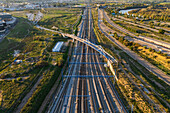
(57, 47)
(2, 27)
(5, 16)
(6, 21)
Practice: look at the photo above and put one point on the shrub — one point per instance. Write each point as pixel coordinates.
(131, 47)
(158, 24)
(42, 63)
(19, 79)
(159, 52)
(150, 49)
(155, 56)
(13, 80)
(161, 31)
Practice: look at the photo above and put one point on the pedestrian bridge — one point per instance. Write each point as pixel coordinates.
(87, 42)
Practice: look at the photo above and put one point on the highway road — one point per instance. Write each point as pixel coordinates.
(142, 61)
(146, 25)
(150, 101)
(164, 45)
(138, 24)
(85, 87)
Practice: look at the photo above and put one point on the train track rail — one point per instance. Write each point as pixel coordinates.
(87, 94)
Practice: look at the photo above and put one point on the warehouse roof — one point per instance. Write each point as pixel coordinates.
(57, 47)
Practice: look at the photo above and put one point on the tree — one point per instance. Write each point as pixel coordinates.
(116, 11)
(161, 31)
(131, 47)
(60, 61)
(115, 35)
(19, 79)
(42, 63)
(121, 39)
(155, 56)
(150, 49)
(158, 24)
(13, 80)
(159, 52)
(151, 23)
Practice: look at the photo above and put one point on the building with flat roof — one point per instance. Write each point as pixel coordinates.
(5, 16)
(2, 27)
(6, 21)
(57, 47)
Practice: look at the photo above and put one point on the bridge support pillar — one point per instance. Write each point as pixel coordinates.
(109, 64)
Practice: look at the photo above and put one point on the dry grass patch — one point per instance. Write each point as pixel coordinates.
(155, 56)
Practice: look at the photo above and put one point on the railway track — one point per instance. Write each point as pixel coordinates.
(87, 94)
(107, 102)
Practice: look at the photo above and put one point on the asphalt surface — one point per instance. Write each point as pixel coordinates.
(163, 45)
(140, 60)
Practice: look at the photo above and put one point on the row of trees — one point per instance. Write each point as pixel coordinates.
(134, 46)
(155, 13)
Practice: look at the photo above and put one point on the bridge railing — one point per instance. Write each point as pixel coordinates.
(87, 42)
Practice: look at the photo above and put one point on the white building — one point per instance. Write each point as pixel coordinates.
(57, 47)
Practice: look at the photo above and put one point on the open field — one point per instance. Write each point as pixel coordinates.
(32, 53)
(154, 12)
(143, 32)
(37, 63)
(156, 15)
(154, 82)
(62, 19)
(14, 41)
(161, 61)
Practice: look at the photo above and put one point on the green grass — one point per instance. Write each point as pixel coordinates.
(165, 3)
(143, 31)
(32, 44)
(9, 89)
(45, 85)
(21, 29)
(19, 13)
(16, 34)
(14, 40)
(62, 18)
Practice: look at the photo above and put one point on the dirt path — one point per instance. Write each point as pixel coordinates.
(24, 101)
(146, 84)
